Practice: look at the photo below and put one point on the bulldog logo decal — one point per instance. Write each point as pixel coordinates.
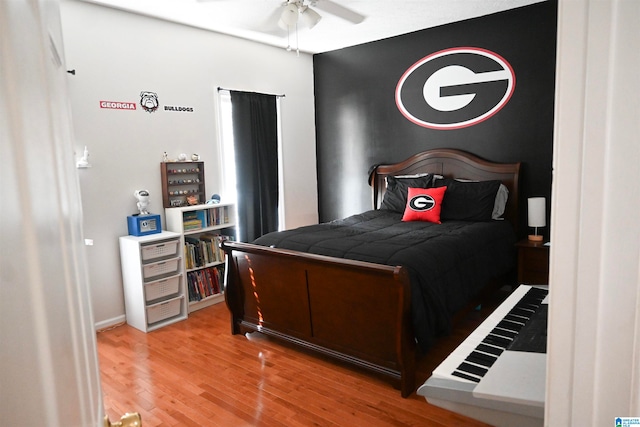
(149, 101)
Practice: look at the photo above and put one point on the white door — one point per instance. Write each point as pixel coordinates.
(48, 362)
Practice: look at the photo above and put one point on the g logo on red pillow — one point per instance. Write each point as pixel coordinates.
(424, 204)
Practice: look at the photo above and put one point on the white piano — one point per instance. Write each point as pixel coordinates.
(497, 375)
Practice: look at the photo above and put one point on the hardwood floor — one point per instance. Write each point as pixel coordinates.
(195, 373)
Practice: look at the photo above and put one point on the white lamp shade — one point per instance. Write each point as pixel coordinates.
(537, 212)
(289, 16)
(310, 17)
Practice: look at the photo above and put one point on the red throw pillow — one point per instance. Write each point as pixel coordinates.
(424, 204)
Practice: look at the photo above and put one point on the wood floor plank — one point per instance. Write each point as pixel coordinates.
(195, 373)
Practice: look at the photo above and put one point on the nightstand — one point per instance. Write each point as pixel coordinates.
(533, 262)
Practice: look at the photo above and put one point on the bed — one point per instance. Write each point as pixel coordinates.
(374, 290)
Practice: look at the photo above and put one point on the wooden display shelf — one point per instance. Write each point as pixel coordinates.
(181, 180)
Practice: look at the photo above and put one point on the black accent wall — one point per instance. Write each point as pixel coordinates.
(358, 123)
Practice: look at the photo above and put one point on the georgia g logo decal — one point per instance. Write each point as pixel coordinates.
(455, 88)
(422, 202)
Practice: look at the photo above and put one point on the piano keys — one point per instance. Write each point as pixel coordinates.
(489, 377)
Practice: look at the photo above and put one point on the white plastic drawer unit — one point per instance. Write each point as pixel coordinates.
(153, 280)
(164, 310)
(160, 269)
(163, 288)
(157, 251)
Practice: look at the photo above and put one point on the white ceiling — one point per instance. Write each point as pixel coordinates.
(257, 19)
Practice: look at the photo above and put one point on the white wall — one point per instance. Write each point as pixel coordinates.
(593, 374)
(117, 55)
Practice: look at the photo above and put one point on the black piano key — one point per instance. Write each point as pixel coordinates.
(530, 302)
(524, 305)
(515, 319)
(481, 359)
(538, 292)
(472, 369)
(519, 319)
(532, 297)
(489, 349)
(522, 312)
(504, 333)
(509, 325)
(465, 376)
(495, 340)
(534, 294)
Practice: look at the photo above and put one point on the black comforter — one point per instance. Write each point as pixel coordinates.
(448, 263)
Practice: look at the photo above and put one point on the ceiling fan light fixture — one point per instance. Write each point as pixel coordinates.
(289, 16)
(310, 17)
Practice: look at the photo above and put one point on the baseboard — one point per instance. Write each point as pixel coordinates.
(109, 323)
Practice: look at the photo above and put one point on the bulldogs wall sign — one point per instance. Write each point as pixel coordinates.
(455, 88)
(149, 101)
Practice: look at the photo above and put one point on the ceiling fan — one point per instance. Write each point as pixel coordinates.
(290, 16)
(295, 13)
(300, 12)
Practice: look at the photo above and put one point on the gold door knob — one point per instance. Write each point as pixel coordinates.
(127, 420)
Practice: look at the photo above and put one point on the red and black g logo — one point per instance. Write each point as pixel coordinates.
(455, 88)
(423, 202)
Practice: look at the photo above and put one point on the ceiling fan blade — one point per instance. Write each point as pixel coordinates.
(270, 24)
(339, 11)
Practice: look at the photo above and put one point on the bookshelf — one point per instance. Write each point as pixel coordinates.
(153, 280)
(181, 180)
(202, 229)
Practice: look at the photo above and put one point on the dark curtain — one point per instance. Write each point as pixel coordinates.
(255, 136)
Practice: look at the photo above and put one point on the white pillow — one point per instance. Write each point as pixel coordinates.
(501, 202)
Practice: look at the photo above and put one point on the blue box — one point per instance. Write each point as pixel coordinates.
(141, 225)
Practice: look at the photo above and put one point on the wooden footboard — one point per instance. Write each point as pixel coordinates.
(354, 311)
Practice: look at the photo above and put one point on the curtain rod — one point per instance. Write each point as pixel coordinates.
(229, 90)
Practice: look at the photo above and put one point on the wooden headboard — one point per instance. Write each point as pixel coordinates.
(451, 163)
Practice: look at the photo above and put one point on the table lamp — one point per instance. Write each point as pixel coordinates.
(536, 216)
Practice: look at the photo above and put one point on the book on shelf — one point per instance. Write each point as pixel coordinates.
(194, 220)
(205, 283)
(203, 250)
(212, 244)
(189, 215)
(192, 225)
(218, 215)
(193, 254)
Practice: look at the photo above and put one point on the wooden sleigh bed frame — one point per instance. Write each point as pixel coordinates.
(325, 304)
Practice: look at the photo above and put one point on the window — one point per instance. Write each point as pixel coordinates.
(229, 158)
